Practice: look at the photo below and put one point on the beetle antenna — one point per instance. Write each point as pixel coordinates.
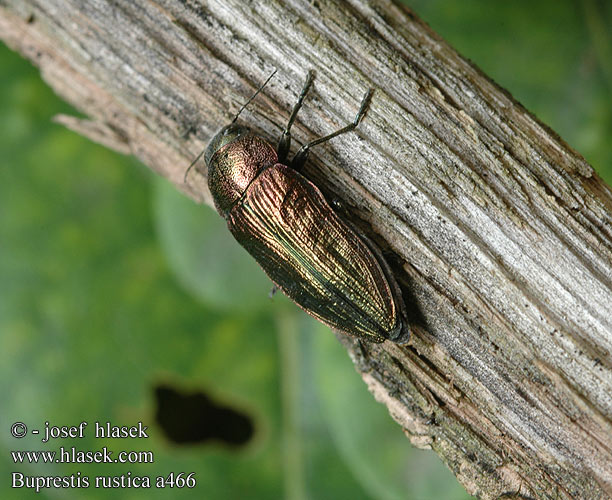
(235, 118)
(192, 164)
(253, 96)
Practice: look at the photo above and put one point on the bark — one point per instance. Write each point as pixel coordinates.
(499, 233)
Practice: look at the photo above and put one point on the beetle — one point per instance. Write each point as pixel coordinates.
(282, 219)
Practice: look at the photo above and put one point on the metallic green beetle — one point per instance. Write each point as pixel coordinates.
(284, 222)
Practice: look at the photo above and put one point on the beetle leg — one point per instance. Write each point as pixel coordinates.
(300, 157)
(285, 141)
(273, 291)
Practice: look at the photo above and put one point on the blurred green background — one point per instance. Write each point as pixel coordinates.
(107, 289)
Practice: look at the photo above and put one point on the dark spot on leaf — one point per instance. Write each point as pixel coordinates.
(190, 418)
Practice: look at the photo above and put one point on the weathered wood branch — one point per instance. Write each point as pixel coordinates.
(501, 233)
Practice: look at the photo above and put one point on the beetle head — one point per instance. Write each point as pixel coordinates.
(226, 135)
